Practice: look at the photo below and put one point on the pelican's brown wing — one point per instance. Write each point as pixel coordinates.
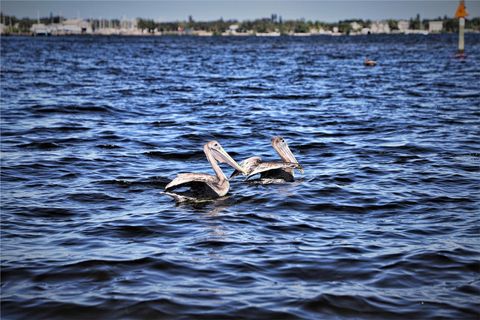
(248, 164)
(200, 183)
(267, 166)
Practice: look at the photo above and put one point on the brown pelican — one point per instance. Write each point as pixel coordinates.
(280, 170)
(205, 186)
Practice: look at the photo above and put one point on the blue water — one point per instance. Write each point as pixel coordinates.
(383, 224)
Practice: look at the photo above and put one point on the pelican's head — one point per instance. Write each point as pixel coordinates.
(281, 146)
(216, 150)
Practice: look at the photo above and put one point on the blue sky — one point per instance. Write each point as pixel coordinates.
(163, 10)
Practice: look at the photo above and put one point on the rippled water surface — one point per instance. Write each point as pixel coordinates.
(384, 223)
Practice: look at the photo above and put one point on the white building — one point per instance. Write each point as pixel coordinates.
(40, 29)
(76, 26)
(379, 27)
(202, 33)
(403, 26)
(268, 34)
(320, 31)
(72, 26)
(366, 31)
(232, 30)
(435, 26)
(376, 27)
(355, 26)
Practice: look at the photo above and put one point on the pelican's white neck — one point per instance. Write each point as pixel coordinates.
(213, 162)
(279, 151)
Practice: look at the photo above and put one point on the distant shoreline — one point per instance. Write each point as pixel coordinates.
(424, 33)
(273, 26)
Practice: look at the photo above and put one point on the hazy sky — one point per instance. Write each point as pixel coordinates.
(163, 10)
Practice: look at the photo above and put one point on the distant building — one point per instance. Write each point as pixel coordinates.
(40, 29)
(267, 34)
(403, 25)
(355, 26)
(379, 27)
(202, 33)
(72, 26)
(435, 26)
(320, 31)
(232, 30)
(376, 27)
(77, 26)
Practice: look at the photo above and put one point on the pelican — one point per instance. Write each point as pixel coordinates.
(280, 170)
(205, 186)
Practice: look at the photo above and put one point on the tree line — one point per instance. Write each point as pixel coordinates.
(273, 24)
(277, 24)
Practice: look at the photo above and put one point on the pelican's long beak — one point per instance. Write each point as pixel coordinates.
(223, 157)
(288, 156)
